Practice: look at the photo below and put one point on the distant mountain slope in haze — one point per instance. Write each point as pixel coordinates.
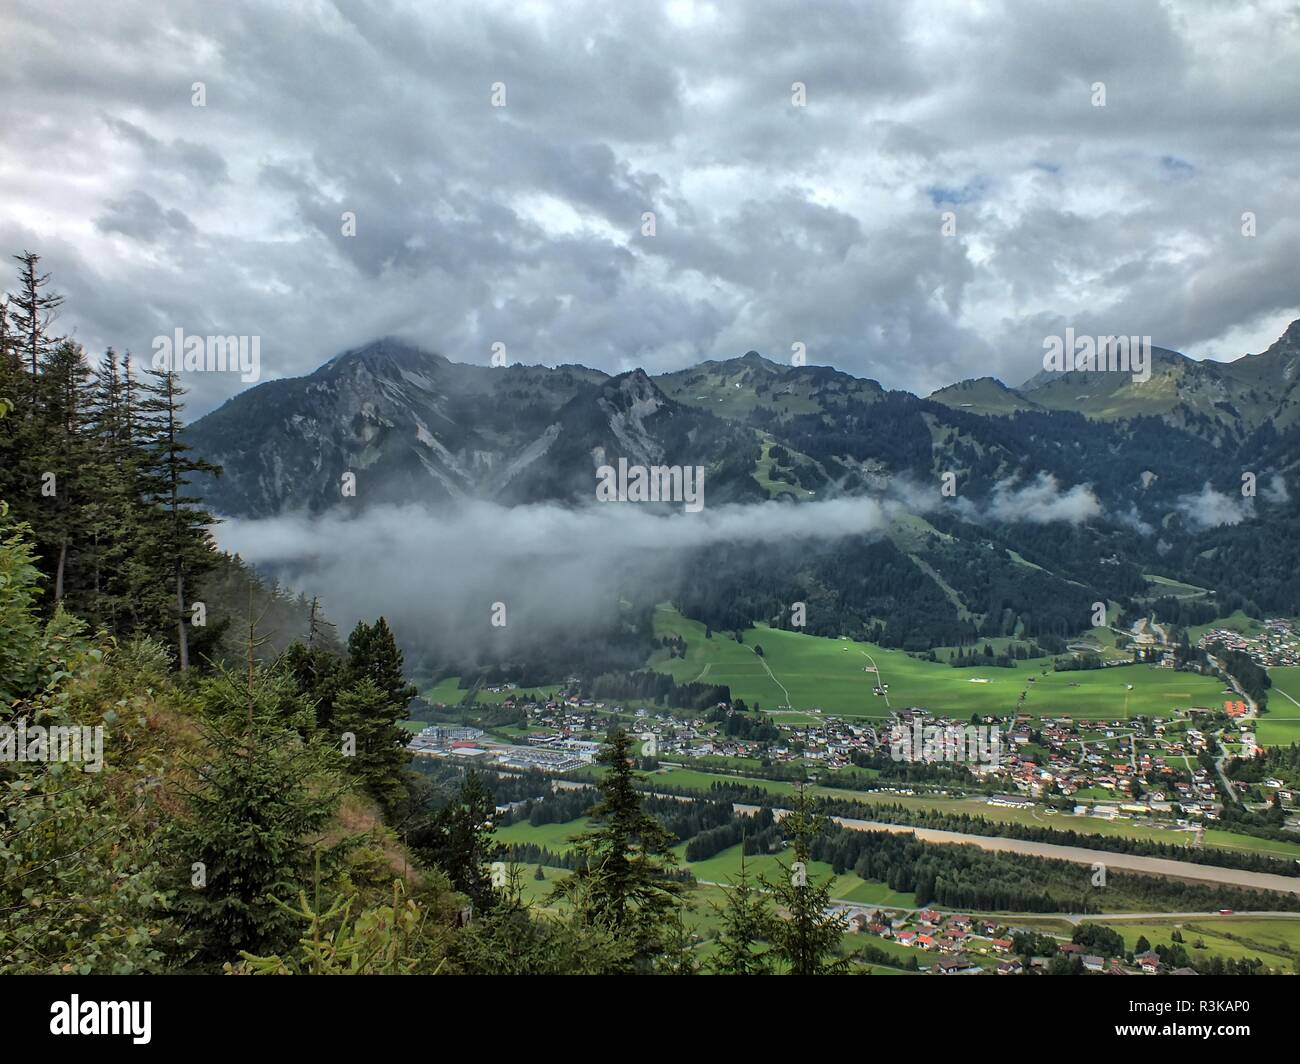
(1067, 491)
(737, 387)
(1204, 396)
(984, 395)
(415, 426)
(410, 424)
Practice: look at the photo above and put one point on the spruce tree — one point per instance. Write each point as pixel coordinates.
(458, 839)
(808, 938)
(622, 882)
(180, 540)
(32, 312)
(373, 654)
(261, 796)
(71, 463)
(747, 926)
(379, 756)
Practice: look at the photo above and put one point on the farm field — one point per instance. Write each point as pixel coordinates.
(1275, 942)
(810, 673)
(554, 837)
(1274, 731)
(1280, 726)
(448, 692)
(723, 867)
(717, 869)
(1285, 679)
(445, 692)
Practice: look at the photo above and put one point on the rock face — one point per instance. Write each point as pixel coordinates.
(415, 427)
(1216, 400)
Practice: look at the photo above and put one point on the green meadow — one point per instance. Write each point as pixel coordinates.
(808, 673)
(719, 869)
(1280, 726)
(1274, 941)
(445, 692)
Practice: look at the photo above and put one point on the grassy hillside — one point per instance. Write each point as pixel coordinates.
(809, 673)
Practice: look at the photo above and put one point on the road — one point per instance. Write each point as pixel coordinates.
(880, 680)
(1218, 761)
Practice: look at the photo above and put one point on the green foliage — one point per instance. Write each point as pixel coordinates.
(373, 655)
(381, 940)
(257, 799)
(371, 718)
(808, 939)
(81, 881)
(513, 939)
(458, 839)
(622, 884)
(748, 925)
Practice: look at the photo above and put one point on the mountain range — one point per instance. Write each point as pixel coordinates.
(414, 425)
(1071, 487)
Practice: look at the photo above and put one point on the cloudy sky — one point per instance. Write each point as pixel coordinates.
(774, 223)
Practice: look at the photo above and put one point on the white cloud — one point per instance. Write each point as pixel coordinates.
(1210, 508)
(777, 224)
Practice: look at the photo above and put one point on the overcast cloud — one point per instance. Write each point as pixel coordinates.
(775, 223)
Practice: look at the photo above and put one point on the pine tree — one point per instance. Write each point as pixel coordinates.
(373, 654)
(679, 946)
(747, 924)
(179, 537)
(808, 938)
(458, 839)
(511, 939)
(32, 312)
(622, 882)
(320, 676)
(380, 756)
(252, 820)
(114, 511)
(70, 458)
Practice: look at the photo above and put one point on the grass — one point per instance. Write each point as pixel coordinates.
(1234, 622)
(554, 837)
(723, 867)
(1273, 731)
(812, 673)
(1275, 942)
(1280, 726)
(445, 692)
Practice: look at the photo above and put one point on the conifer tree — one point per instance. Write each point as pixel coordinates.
(808, 938)
(179, 538)
(71, 464)
(747, 926)
(320, 676)
(32, 312)
(114, 512)
(261, 795)
(622, 883)
(458, 839)
(379, 757)
(373, 654)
